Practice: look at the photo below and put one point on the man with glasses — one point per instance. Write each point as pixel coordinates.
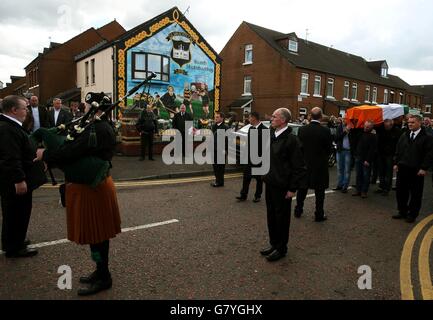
(16, 161)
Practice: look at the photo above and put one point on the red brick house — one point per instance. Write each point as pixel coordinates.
(17, 86)
(53, 72)
(427, 91)
(264, 69)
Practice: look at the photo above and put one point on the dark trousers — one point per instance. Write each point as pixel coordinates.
(320, 201)
(374, 169)
(16, 212)
(410, 189)
(278, 214)
(219, 170)
(247, 177)
(147, 142)
(386, 171)
(363, 175)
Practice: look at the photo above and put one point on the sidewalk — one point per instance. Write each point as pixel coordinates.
(126, 168)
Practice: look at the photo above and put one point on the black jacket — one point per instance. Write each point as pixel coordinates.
(64, 117)
(147, 122)
(415, 154)
(387, 140)
(179, 121)
(366, 148)
(16, 153)
(30, 121)
(316, 144)
(215, 129)
(73, 150)
(259, 130)
(287, 167)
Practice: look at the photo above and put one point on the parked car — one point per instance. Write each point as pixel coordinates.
(239, 138)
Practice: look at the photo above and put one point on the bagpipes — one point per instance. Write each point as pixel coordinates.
(88, 170)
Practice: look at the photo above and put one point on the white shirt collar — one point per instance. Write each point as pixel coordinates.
(416, 133)
(258, 125)
(13, 119)
(279, 132)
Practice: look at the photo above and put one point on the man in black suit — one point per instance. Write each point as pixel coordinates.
(285, 176)
(219, 129)
(413, 158)
(257, 125)
(16, 161)
(37, 117)
(179, 123)
(58, 115)
(316, 142)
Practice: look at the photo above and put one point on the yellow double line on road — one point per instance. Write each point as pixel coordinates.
(147, 183)
(406, 286)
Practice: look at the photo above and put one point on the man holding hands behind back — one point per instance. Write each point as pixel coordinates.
(286, 174)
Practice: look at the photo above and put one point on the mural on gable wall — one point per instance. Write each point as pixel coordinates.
(185, 74)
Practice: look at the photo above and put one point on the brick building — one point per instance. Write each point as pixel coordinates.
(17, 86)
(427, 91)
(53, 72)
(264, 69)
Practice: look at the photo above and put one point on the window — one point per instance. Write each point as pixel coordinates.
(247, 85)
(145, 63)
(304, 83)
(86, 66)
(400, 99)
(367, 94)
(303, 111)
(293, 45)
(317, 85)
(354, 91)
(385, 96)
(346, 90)
(374, 98)
(384, 72)
(92, 68)
(428, 108)
(248, 53)
(330, 88)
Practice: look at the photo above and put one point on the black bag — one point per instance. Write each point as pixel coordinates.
(36, 177)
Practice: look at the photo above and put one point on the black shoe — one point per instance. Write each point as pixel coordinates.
(337, 189)
(356, 194)
(410, 219)
(321, 219)
(96, 286)
(275, 256)
(267, 251)
(257, 199)
(90, 278)
(399, 216)
(216, 185)
(23, 253)
(241, 198)
(344, 190)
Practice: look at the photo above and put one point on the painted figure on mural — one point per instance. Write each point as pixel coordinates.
(187, 97)
(204, 100)
(169, 101)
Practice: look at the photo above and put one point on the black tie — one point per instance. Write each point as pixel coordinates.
(412, 136)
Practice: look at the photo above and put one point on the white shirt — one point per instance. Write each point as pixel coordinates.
(277, 133)
(13, 119)
(36, 119)
(416, 134)
(257, 125)
(56, 115)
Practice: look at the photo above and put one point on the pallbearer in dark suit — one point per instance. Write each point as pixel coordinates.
(316, 142)
(247, 177)
(413, 158)
(219, 167)
(286, 174)
(58, 115)
(16, 161)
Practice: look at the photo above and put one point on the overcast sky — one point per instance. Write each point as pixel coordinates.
(399, 31)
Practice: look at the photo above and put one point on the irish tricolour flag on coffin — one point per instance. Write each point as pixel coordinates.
(358, 115)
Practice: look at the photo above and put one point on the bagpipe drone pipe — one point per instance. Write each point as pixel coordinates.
(90, 170)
